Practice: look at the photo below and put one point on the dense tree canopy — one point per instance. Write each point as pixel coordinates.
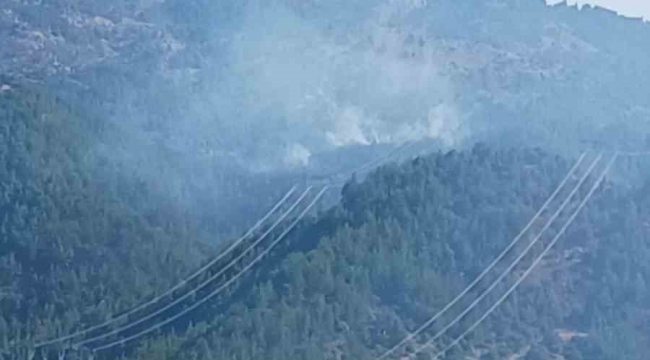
(121, 177)
(81, 243)
(409, 238)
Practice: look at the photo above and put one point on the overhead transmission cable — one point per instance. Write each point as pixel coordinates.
(508, 270)
(218, 290)
(514, 242)
(536, 262)
(204, 268)
(179, 285)
(207, 281)
(203, 284)
(373, 162)
(381, 159)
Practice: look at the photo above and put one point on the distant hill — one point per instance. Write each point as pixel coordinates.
(315, 74)
(137, 137)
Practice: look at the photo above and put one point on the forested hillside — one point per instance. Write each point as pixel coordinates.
(74, 238)
(407, 240)
(402, 243)
(82, 237)
(139, 138)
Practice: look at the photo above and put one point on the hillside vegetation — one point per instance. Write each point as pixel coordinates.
(82, 238)
(407, 240)
(346, 284)
(138, 138)
(74, 236)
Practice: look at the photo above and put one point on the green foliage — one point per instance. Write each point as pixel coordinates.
(80, 243)
(409, 238)
(85, 234)
(75, 248)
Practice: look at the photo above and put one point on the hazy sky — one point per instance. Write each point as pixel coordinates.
(625, 7)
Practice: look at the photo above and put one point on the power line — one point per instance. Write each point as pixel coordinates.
(380, 160)
(363, 167)
(123, 341)
(205, 282)
(181, 283)
(534, 264)
(204, 268)
(211, 263)
(496, 282)
(216, 291)
(360, 168)
(514, 242)
(633, 154)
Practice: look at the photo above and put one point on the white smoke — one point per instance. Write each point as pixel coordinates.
(348, 127)
(297, 155)
(444, 125)
(376, 85)
(281, 77)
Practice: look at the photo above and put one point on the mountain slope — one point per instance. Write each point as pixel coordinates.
(314, 75)
(78, 242)
(408, 239)
(82, 243)
(133, 133)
